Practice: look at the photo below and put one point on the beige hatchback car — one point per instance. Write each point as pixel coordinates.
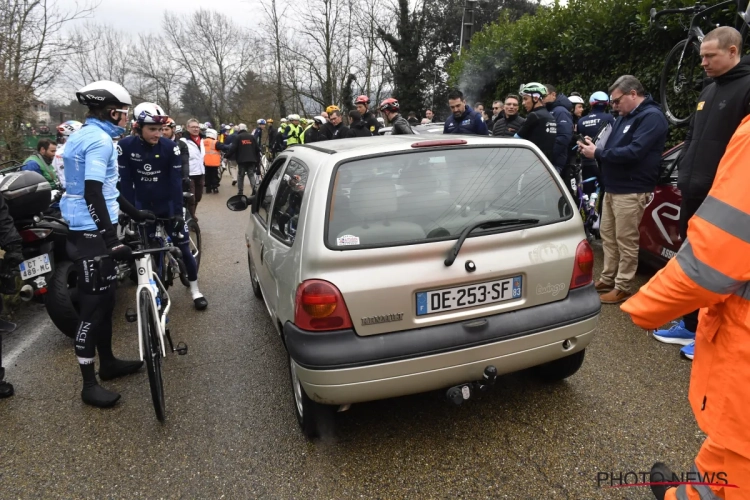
(398, 265)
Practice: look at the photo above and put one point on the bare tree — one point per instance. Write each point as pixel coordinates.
(275, 28)
(164, 73)
(102, 53)
(215, 52)
(32, 50)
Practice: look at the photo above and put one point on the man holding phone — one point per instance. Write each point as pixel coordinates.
(630, 168)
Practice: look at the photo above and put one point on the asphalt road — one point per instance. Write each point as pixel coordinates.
(231, 431)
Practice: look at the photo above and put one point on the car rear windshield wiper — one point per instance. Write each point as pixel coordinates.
(484, 225)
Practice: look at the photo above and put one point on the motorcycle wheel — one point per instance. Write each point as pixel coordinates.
(61, 299)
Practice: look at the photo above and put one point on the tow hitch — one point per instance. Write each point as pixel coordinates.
(460, 393)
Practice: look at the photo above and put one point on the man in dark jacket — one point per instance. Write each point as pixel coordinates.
(463, 119)
(721, 107)
(630, 167)
(335, 128)
(10, 242)
(559, 106)
(589, 126)
(246, 151)
(399, 126)
(508, 122)
(363, 102)
(539, 127)
(357, 126)
(313, 132)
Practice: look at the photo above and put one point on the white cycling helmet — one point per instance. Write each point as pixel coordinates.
(211, 133)
(242, 127)
(284, 120)
(103, 93)
(178, 129)
(68, 127)
(293, 118)
(203, 126)
(149, 113)
(575, 99)
(320, 120)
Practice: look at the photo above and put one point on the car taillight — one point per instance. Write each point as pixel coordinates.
(34, 234)
(319, 306)
(583, 268)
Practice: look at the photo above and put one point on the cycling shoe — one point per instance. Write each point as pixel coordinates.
(118, 368)
(98, 396)
(6, 389)
(200, 303)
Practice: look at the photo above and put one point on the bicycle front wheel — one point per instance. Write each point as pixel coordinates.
(152, 352)
(681, 82)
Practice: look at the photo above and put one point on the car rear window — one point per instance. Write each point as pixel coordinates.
(434, 194)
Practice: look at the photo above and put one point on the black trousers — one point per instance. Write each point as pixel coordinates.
(688, 207)
(212, 177)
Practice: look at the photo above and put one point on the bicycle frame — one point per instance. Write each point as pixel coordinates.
(149, 280)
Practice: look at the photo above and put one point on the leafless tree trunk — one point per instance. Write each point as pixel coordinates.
(275, 28)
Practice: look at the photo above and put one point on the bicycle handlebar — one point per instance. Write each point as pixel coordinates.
(175, 251)
(684, 10)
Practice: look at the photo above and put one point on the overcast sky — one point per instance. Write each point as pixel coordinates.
(144, 16)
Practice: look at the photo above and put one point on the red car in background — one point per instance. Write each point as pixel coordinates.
(660, 226)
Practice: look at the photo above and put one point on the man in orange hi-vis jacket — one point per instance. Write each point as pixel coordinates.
(712, 272)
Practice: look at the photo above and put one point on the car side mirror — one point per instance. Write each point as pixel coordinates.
(240, 202)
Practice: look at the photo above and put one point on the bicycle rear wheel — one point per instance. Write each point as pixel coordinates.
(681, 82)
(152, 352)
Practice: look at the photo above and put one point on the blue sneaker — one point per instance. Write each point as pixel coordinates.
(677, 334)
(688, 351)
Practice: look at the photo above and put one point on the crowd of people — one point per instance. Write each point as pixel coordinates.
(103, 174)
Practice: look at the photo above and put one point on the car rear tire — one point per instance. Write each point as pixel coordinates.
(562, 368)
(254, 277)
(314, 419)
(61, 299)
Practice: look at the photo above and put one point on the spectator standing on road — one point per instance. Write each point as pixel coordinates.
(508, 122)
(357, 126)
(712, 271)
(399, 126)
(10, 242)
(246, 149)
(41, 162)
(559, 106)
(539, 127)
(463, 119)
(630, 167)
(335, 128)
(589, 126)
(497, 113)
(271, 132)
(720, 109)
(197, 151)
(211, 160)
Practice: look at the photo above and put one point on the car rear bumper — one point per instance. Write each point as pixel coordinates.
(341, 367)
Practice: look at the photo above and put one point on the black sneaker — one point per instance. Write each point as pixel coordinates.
(6, 389)
(660, 473)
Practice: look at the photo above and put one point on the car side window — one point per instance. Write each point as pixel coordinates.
(288, 202)
(266, 194)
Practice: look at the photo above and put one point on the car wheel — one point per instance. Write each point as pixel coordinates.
(254, 277)
(314, 419)
(562, 368)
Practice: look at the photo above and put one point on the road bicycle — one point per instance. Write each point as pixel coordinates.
(682, 77)
(152, 314)
(227, 166)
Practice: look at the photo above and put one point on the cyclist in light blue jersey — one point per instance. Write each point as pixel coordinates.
(91, 207)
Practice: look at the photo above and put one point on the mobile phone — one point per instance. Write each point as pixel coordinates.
(580, 138)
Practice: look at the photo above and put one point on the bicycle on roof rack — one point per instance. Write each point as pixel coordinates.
(683, 78)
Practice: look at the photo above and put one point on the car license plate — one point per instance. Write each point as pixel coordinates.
(460, 297)
(35, 267)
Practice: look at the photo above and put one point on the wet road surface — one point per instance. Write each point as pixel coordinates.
(231, 431)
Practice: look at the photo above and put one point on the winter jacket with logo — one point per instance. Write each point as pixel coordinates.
(470, 122)
(560, 110)
(507, 127)
(630, 160)
(541, 129)
(721, 107)
(245, 148)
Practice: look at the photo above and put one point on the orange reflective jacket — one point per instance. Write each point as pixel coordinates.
(712, 271)
(213, 156)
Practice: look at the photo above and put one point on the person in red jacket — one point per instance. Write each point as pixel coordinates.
(711, 272)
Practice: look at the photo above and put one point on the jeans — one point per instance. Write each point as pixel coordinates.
(621, 216)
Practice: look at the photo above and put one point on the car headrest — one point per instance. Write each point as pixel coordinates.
(418, 179)
(373, 198)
